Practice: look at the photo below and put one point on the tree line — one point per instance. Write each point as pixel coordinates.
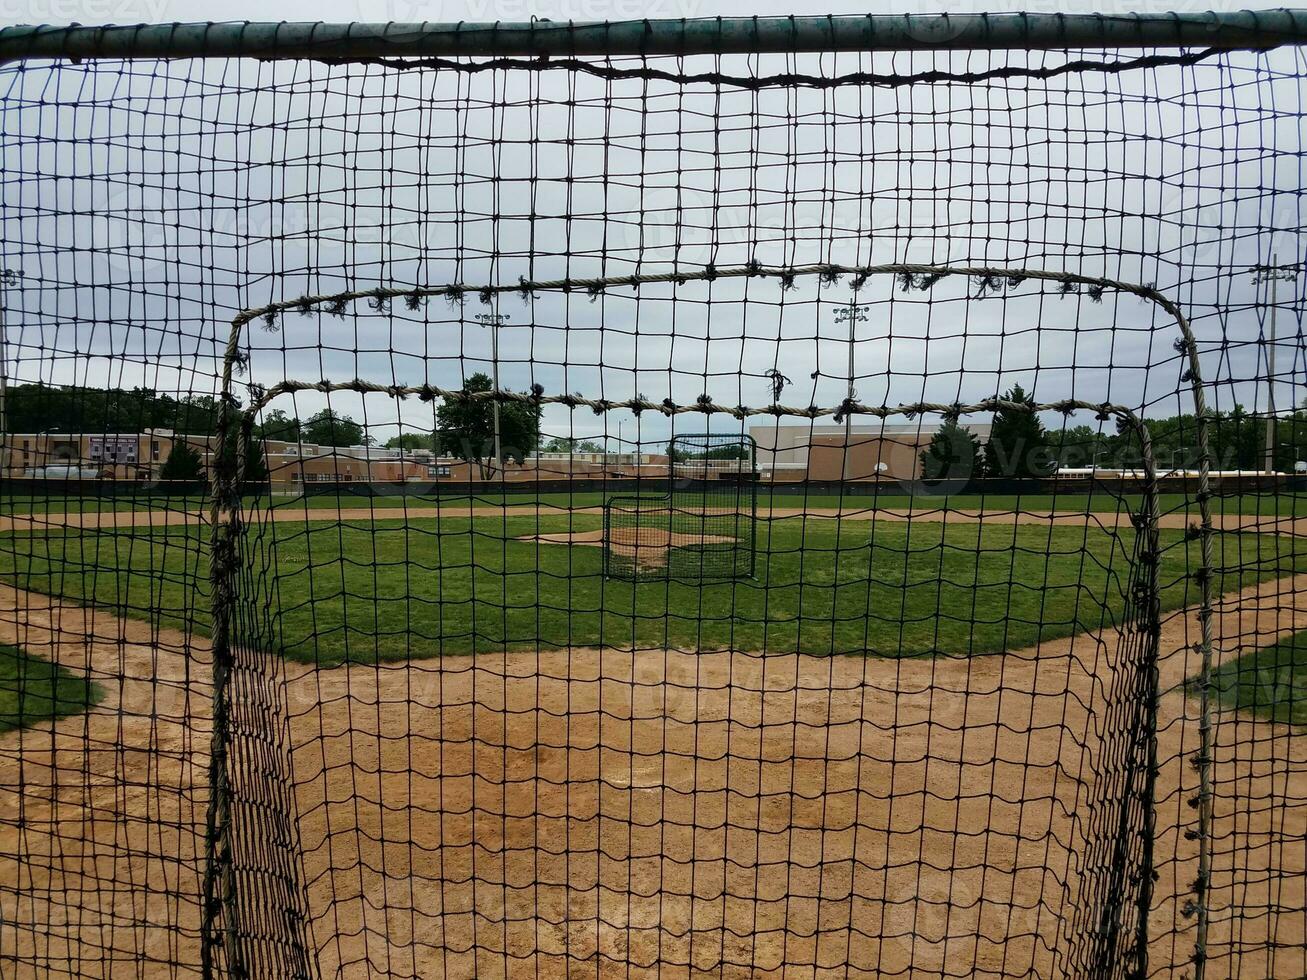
(76, 408)
(1019, 445)
(463, 429)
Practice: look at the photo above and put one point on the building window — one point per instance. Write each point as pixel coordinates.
(116, 449)
(154, 449)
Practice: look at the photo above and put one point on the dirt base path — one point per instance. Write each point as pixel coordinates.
(602, 812)
(102, 814)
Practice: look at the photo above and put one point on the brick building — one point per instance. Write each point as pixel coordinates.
(794, 452)
(786, 453)
(140, 456)
(113, 455)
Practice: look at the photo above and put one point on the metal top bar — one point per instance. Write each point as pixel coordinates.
(874, 32)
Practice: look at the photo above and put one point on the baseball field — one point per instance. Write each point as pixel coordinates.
(879, 755)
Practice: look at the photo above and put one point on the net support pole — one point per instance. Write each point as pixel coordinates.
(719, 35)
(219, 937)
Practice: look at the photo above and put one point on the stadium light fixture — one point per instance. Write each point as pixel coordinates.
(854, 313)
(8, 279)
(494, 320)
(1272, 273)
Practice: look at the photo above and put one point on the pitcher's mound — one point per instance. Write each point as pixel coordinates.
(648, 545)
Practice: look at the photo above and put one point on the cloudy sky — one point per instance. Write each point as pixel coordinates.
(147, 203)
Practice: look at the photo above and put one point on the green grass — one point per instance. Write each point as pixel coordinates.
(33, 689)
(72, 504)
(330, 592)
(1270, 682)
(1283, 505)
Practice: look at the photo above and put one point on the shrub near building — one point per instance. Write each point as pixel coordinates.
(183, 463)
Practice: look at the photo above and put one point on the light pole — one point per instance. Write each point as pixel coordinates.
(1272, 273)
(854, 313)
(493, 320)
(8, 278)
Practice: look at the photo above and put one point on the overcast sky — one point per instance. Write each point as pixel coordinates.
(147, 203)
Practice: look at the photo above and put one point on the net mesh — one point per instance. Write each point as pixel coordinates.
(702, 528)
(368, 611)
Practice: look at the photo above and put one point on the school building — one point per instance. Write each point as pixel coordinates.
(787, 453)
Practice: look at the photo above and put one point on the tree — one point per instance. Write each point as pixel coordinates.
(734, 451)
(1237, 439)
(954, 454)
(278, 425)
(570, 444)
(466, 428)
(1078, 446)
(413, 440)
(328, 428)
(1018, 444)
(76, 408)
(197, 415)
(183, 463)
(1291, 440)
(256, 468)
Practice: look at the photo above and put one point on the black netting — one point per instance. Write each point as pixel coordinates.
(729, 514)
(700, 527)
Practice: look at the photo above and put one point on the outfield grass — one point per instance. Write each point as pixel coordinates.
(33, 689)
(392, 589)
(70, 504)
(1270, 682)
(1291, 505)
(1281, 505)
